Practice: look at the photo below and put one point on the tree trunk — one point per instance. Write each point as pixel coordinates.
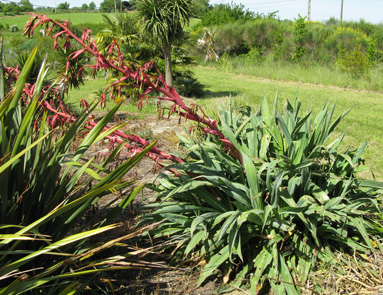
(168, 64)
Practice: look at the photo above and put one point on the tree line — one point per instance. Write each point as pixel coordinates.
(14, 8)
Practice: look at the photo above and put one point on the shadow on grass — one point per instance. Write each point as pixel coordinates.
(210, 94)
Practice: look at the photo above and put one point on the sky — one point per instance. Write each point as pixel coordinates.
(369, 10)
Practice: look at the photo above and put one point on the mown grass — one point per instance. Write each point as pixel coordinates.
(91, 91)
(75, 18)
(305, 73)
(192, 23)
(363, 123)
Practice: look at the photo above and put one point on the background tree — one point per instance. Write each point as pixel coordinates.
(162, 23)
(25, 5)
(92, 6)
(11, 8)
(199, 7)
(109, 5)
(64, 6)
(85, 6)
(226, 13)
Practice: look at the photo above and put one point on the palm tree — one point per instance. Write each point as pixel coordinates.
(162, 22)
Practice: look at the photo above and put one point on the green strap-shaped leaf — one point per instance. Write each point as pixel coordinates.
(195, 240)
(15, 157)
(63, 242)
(213, 264)
(286, 277)
(253, 182)
(261, 262)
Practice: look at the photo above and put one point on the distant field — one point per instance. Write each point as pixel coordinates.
(192, 23)
(91, 90)
(363, 123)
(76, 18)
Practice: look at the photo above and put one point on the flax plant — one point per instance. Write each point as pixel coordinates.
(45, 191)
(266, 218)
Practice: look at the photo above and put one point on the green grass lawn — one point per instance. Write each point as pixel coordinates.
(312, 73)
(364, 122)
(75, 18)
(91, 91)
(192, 23)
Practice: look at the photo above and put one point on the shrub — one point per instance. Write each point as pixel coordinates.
(229, 39)
(260, 32)
(13, 28)
(4, 27)
(225, 14)
(278, 41)
(300, 32)
(371, 51)
(347, 38)
(254, 56)
(265, 220)
(189, 87)
(355, 62)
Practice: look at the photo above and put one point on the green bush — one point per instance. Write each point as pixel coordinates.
(189, 87)
(354, 62)
(3, 27)
(229, 39)
(287, 40)
(288, 200)
(226, 13)
(95, 27)
(261, 32)
(347, 38)
(300, 35)
(13, 28)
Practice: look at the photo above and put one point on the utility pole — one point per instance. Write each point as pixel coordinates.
(309, 10)
(341, 12)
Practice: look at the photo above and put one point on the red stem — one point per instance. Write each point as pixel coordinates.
(151, 82)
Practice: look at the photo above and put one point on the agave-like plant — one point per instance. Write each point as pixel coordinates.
(46, 189)
(267, 217)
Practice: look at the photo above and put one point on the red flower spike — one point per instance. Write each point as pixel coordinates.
(103, 99)
(67, 43)
(141, 78)
(77, 53)
(84, 103)
(85, 37)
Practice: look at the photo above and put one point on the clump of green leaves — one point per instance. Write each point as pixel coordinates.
(371, 51)
(354, 62)
(46, 191)
(226, 13)
(291, 200)
(300, 32)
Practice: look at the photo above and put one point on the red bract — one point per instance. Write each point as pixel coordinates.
(85, 37)
(150, 83)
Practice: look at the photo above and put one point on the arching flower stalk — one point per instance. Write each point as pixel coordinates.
(142, 79)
